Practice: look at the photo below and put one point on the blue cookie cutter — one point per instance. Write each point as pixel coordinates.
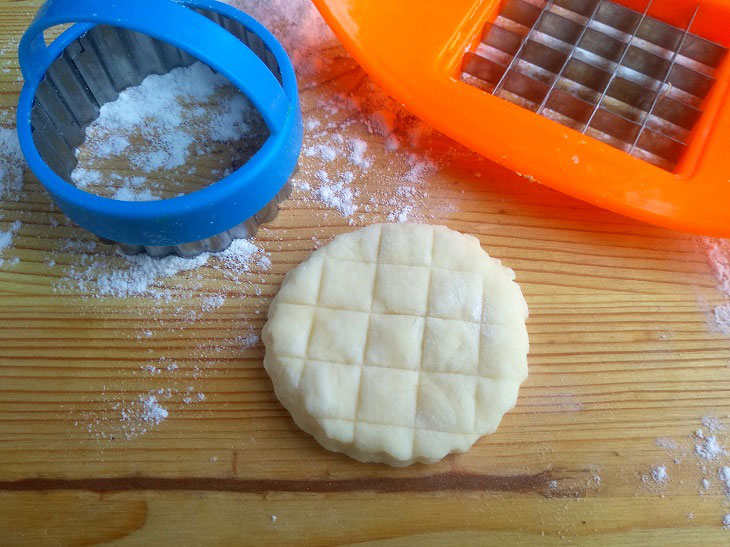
(115, 44)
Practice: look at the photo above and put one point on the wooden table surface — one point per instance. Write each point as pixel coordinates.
(623, 368)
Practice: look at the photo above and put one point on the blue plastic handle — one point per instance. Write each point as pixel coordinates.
(217, 207)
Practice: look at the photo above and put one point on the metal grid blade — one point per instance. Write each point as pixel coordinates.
(613, 73)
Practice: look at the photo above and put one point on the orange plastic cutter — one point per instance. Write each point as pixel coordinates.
(622, 104)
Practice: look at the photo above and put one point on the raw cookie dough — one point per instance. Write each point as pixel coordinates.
(398, 343)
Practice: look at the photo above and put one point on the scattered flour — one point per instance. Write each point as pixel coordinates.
(248, 340)
(711, 458)
(669, 444)
(151, 369)
(11, 165)
(707, 448)
(338, 194)
(712, 424)
(127, 418)
(323, 177)
(721, 318)
(357, 153)
(333, 143)
(158, 107)
(299, 27)
(659, 474)
(169, 118)
(152, 411)
(192, 397)
(322, 151)
(137, 276)
(419, 168)
(338, 189)
(213, 302)
(135, 188)
(335, 159)
(724, 474)
(158, 112)
(6, 240)
(718, 252)
(242, 256)
(401, 215)
(99, 275)
(718, 255)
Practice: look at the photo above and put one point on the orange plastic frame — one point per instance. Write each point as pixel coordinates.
(414, 49)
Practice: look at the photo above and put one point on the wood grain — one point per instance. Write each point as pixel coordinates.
(621, 355)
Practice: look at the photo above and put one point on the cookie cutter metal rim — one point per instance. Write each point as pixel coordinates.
(217, 208)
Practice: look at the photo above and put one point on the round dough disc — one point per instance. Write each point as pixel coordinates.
(398, 343)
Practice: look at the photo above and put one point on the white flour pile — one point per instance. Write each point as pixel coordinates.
(159, 126)
(11, 165)
(6, 240)
(8, 59)
(659, 474)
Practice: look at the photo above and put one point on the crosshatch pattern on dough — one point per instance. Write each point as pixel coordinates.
(398, 343)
